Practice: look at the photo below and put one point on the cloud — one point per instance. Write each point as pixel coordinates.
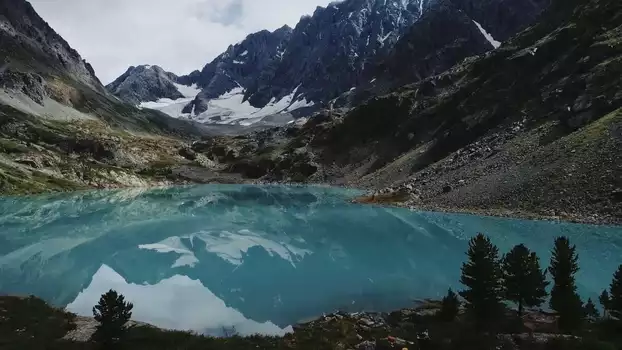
(179, 35)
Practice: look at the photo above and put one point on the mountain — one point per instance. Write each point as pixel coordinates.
(341, 50)
(523, 130)
(328, 50)
(145, 83)
(239, 66)
(59, 127)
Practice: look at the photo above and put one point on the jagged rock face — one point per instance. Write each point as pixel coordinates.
(442, 38)
(145, 83)
(28, 42)
(503, 18)
(348, 44)
(31, 85)
(329, 50)
(239, 66)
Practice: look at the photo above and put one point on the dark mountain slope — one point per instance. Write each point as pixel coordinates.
(532, 128)
(240, 66)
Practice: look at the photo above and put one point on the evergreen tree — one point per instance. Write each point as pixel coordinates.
(482, 274)
(615, 291)
(112, 312)
(524, 281)
(564, 298)
(450, 306)
(590, 310)
(605, 301)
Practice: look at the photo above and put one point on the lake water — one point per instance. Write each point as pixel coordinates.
(256, 258)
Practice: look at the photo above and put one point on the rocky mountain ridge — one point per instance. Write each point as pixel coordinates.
(145, 83)
(523, 130)
(362, 47)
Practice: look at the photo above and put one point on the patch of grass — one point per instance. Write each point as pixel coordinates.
(12, 147)
(24, 321)
(597, 130)
(15, 182)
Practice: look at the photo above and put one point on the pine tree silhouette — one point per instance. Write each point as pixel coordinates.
(112, 312)
(482, 274)
(525, 283)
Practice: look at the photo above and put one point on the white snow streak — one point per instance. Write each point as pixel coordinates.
(488, 36)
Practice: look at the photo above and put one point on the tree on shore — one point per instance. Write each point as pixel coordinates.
(564, 297)
(605, 301)
(590, 310)
(615, 294)
(524, 281)
(112, 312)
(482, 274)
(450, 306)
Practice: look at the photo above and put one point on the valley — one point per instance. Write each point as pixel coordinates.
(522, 129)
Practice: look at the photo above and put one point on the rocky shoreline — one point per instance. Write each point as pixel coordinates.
(410, 328)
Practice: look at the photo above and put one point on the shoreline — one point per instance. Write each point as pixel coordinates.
(367, 199)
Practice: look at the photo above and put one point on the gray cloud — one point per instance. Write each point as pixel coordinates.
(179, 35)
(231, 14)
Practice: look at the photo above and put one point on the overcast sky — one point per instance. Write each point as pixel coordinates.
(179, 35)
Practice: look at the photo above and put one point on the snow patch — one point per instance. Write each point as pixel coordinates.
(237, 62)
(230, 108)
(188, 91)
(174, 107)
(487, 35)
(244, 53)
(178, 302)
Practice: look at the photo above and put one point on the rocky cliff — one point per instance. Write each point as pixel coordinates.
(145, 83)
(239, 66)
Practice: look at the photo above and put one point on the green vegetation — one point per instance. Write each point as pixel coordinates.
(615, 292)
(564, 297)
(450, 307)
(525, 282)
(112, 312)
(481, 274)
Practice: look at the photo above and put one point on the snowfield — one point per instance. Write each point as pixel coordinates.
(229, 108)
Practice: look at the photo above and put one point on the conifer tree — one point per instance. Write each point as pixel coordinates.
(482, 274)
(112, 312)
(524, 281)
(615, 293)
(605, 301)
(590, 310)
(450, 306)
(564, 297)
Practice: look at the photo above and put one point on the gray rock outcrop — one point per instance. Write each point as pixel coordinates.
(145, 83)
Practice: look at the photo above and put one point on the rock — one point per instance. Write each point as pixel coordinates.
(33, 163)
(30, 84)
(187, 153)
(366, 345)
(447, 189)
(145, 83)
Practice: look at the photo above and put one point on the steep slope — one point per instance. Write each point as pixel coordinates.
(239, 65)
(532, 128)
(329, 50)
(145, 83)
(60, 129)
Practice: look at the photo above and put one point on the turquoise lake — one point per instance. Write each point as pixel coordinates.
(256, 258)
